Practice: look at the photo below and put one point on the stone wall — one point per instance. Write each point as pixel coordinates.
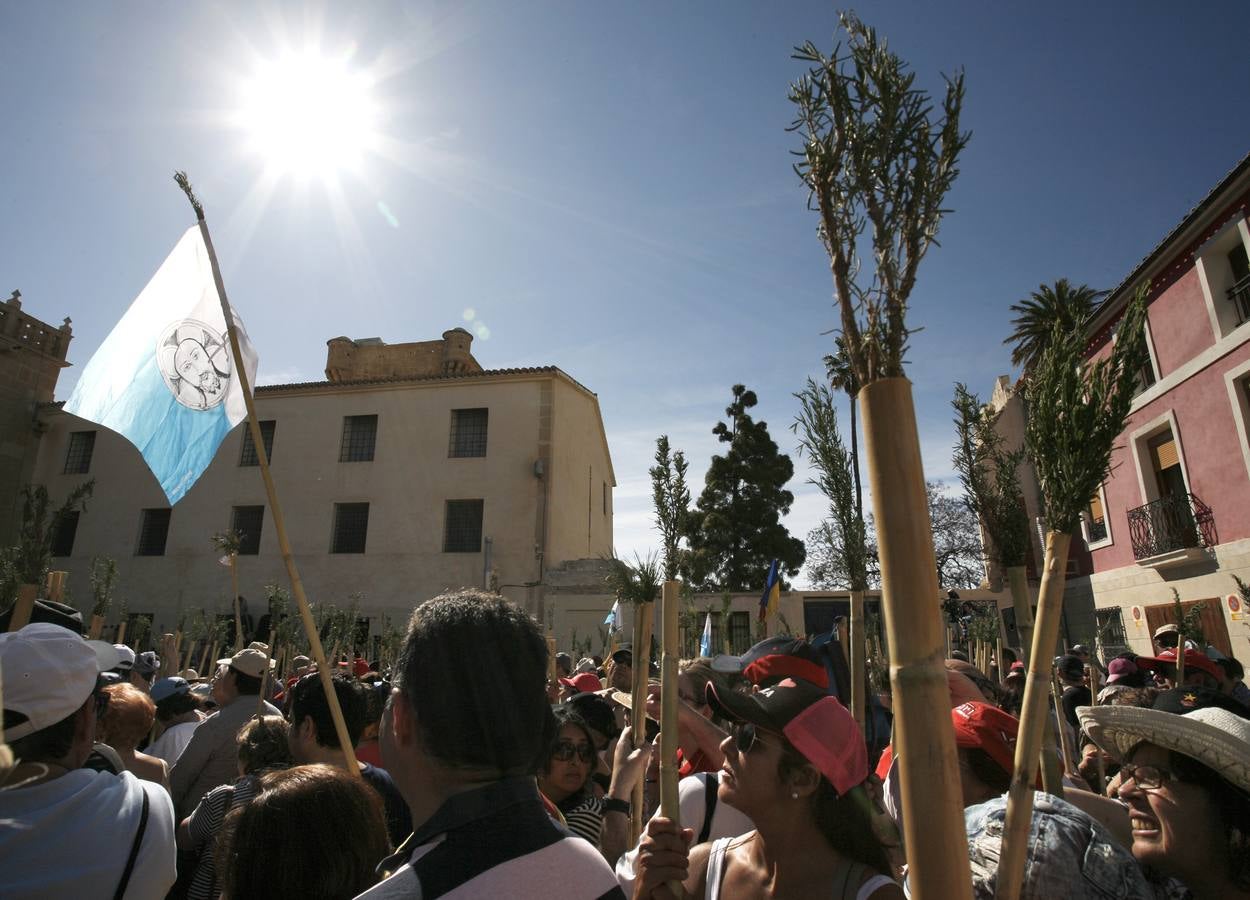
(369, 359)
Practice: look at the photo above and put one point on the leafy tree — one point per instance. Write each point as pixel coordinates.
(735, 531)
(672, 501)
(956, 546)
(29, 561)
(842, 377)
(1061, 306)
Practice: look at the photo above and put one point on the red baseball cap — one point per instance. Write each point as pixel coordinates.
(987, 728)
(818, 726)
(1194, 659)
(583, 682)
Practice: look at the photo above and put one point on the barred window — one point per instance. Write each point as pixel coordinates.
(463, 532)
(739, 632)
(247, 522)
(63, 535)
(468, 433)
(249, 456)
(360, 435)
(153, 530)
(78, 457)
(351, 526)
(1110, 623)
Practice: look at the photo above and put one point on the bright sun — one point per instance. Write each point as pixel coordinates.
(309, 116)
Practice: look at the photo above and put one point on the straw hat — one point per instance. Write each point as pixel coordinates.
(1215, 737)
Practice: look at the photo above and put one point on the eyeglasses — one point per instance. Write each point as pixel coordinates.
(746, 735)
(566, 750)
(1147, 778)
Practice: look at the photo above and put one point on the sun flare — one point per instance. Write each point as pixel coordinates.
(308, 115)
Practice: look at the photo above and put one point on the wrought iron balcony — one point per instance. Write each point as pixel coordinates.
(1176, 523)
(1239, 296)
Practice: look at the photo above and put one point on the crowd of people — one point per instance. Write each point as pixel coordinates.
(469, 771)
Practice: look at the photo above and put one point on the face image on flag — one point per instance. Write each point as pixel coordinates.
(164, 378)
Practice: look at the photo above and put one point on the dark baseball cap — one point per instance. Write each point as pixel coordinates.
(776, 658)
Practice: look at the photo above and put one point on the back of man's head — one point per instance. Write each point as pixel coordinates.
(308, 701)
(491, 713)
(49, 674)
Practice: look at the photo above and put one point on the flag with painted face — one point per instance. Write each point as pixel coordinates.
(164, 378)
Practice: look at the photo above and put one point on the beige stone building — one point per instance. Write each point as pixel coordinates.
(32, 354)
(409, 470)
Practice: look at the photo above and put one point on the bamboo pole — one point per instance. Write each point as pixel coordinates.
(1050, 761)
(858, 648)
(998, 659)
(97, 627)
(208, 659)
(169, 657)
(271, 491)
(186, 657)
(264, 682)
(643, 613)
(121, 633)
(669, 804)
(1180, 658)
(234, 557)
(1065, 748)
(1018, 582)
(1032, 718)
(933, 821)
(1095, 687)
(24, 607)
(56, 586)
(552, 674)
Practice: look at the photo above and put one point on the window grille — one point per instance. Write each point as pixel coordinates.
(468, 433)
(78, 457)
(153, 530)
(360, 435)
(247, 521)
(249, 456)
(463, 532)
(351, 527)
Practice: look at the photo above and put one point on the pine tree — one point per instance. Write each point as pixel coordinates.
(735, 530)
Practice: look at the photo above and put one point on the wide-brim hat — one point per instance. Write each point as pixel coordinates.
(250, 662)
(1215, 737)
(1193, 660)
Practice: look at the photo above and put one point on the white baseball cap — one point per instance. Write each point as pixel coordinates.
(49, 672)
(251, 661)
(127, 657)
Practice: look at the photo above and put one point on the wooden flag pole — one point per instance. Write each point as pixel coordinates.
(271, 491)
(234, 557)
(1018, 581)
(669, 804)
(859, 645)
(933, 819)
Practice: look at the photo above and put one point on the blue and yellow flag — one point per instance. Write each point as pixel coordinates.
(772, 593)
(164, 378)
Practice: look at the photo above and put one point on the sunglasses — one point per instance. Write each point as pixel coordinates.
(746, 735)
(1147, 778)
(566, 750)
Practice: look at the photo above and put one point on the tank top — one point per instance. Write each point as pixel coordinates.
(844, 889)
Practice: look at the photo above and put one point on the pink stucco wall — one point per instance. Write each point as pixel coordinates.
(1179, 323)
(1209, 444)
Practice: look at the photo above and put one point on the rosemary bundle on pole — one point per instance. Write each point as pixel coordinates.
(878, 161)
(670, 806)
(638, 585)
(821, 441)
(1076, 411)
(227, 544)
(297, 586)
(988, 472)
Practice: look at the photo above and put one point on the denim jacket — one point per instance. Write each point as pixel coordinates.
(1070, 855)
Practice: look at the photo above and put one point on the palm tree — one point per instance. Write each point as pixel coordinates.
(1037, 315)
(842, 377)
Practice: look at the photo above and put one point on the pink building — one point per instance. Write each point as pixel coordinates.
(1175, 511)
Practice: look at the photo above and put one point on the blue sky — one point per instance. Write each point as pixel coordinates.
(606, 187)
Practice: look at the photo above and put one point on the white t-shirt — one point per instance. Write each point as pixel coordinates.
(727, 821)
(71, 837)
(171, 742)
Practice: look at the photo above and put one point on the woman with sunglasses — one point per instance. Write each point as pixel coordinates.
(565, 778)
(795, 763)
(1186, 779)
